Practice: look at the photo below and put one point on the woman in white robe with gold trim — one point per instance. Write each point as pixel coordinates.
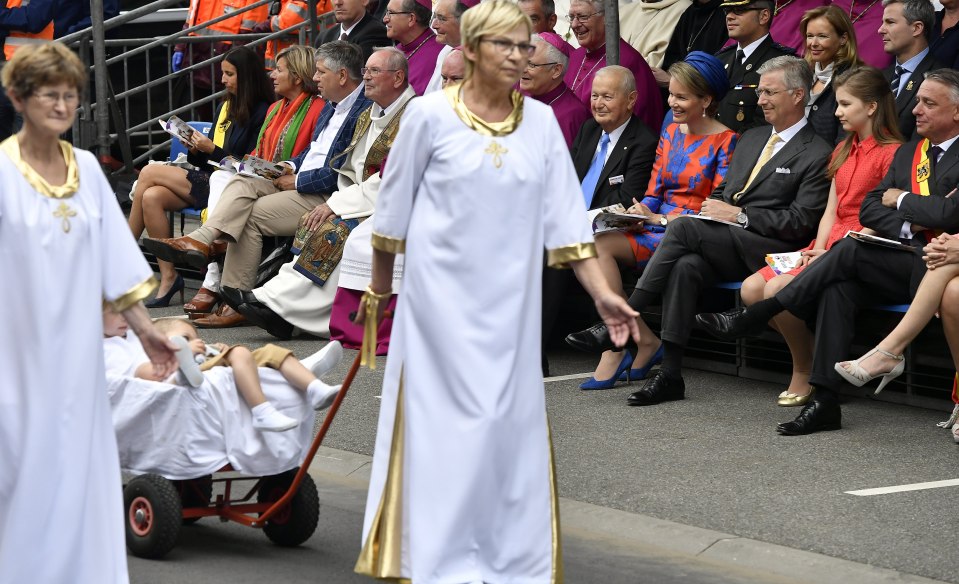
(478, 183)
(64, 249)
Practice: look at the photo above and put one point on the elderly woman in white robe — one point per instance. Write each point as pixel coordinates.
(478, 183)
(64, 249)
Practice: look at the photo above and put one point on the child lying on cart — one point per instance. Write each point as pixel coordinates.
(126, 357)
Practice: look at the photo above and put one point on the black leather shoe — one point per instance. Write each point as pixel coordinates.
(816, 416)
(658, 389)
(235, 297)
(263, 316)
(595, 339)
(729, 325)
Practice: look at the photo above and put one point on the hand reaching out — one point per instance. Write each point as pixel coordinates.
(619, 317)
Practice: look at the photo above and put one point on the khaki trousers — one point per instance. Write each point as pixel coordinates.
(249, 209)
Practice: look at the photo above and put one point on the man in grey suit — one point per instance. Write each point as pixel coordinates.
(771, 201)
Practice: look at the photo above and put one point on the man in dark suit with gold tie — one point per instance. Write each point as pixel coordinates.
(910, 205)
(771, 201)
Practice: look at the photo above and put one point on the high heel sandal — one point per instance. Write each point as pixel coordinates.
(859, 377)
(639, 373)
(203, 302)
(164, 301)
(593, 383)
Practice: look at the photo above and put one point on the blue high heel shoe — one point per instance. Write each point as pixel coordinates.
(164, 301)
(642, 372)
(593, 383)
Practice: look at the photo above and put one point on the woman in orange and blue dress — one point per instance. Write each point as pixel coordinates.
(866, 110)
(691, 160)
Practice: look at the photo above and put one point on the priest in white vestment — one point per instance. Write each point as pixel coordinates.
(294, 297)
(65, 248)
(478, 183)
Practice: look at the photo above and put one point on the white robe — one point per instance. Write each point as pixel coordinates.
(181, 432)
(476, 492)
(61, 508)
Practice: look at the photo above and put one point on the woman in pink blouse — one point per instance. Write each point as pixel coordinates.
(866, 110)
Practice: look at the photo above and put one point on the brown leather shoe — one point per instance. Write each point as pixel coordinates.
(224, 317)
(182, 250)
(217, 249)
(203, 303)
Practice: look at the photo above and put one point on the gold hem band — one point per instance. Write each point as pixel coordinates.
(134, 295)
(388, 244)
(562, 256)
(381, 556)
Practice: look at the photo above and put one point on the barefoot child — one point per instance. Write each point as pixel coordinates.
(243, 362)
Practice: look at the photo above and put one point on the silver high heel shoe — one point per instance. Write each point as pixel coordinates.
(858, 376)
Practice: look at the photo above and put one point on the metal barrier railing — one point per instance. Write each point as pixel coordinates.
(146, 92)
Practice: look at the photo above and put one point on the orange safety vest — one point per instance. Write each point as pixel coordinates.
(16, 39)
(292, 12)
(205, 10)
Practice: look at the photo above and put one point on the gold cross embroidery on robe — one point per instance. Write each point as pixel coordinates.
(496, 150)
(64, 212)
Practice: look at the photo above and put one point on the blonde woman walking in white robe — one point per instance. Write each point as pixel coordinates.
(478, 183)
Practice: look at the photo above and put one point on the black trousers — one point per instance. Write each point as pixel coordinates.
(830, 291)
(692, 256)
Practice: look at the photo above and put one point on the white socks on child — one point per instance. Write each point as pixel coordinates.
(267, 418)
(321, 395)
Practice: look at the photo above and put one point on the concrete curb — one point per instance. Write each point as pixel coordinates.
(658, 535)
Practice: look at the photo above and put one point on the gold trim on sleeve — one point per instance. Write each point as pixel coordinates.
(388, 244)
(560, 257)
(381, 556)
(134, 295)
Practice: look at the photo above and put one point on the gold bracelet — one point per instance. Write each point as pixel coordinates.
(371, 324)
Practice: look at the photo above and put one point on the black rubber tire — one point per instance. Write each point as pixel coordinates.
(296, 523)
(152, 514)
(189, 497)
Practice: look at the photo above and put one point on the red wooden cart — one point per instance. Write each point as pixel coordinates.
(287, 506)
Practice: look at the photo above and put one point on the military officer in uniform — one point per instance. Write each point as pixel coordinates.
(748, 23)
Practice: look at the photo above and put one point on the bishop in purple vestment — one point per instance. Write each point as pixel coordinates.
(408, 25)
(543, 81)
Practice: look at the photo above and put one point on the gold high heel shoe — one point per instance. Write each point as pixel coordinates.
(858, 376)
(789, 400)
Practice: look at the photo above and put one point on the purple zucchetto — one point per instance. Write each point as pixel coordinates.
(712, 71)
(557, 41)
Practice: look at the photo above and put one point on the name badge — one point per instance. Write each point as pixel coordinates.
(783, 171)
(615, 180)
(922, 171)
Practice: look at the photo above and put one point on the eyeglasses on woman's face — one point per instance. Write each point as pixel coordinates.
(506, 47)
(50, 98)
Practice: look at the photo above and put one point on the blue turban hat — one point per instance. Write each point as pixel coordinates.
(712, 71)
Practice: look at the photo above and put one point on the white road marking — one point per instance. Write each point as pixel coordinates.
(565, 377)
(904, 488)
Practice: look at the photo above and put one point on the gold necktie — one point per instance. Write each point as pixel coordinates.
(763, 159)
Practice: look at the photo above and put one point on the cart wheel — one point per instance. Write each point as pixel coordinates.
(195, 493)
(152, 515)
(295, 523)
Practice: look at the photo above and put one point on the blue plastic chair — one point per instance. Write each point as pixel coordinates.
(177, 148)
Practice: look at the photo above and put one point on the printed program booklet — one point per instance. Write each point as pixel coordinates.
(177, 128)
(250, 166)
(783, 262)
(876, 240)
(614, 218)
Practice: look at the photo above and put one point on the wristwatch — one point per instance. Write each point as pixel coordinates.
(663, 221)
(741, 217)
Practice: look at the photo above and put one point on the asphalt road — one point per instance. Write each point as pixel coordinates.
(712, 462)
